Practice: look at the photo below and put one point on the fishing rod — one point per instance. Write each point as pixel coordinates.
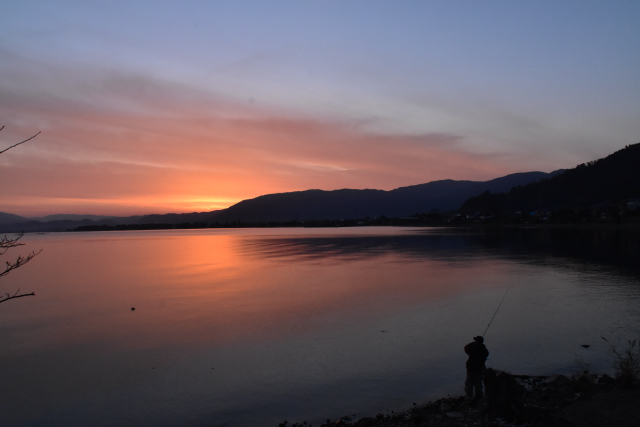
(494, 314)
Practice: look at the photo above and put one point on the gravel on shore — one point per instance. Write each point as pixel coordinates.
(584, 399)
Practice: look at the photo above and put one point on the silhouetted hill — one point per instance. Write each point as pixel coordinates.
(349, 204)
(307, 205)
(7, 218)
(71, 217)
(613, 178)
(53, 226)
(47, 224)
(173, 218)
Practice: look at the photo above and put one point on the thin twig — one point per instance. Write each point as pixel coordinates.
(17, 296)
(20, 261)
(15, 145)
(6, 243)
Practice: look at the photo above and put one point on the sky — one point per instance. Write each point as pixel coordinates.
(190, 106)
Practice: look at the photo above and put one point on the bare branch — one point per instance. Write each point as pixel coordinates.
(20, 261)
(6, 243)
(8, 297)
(15, 145)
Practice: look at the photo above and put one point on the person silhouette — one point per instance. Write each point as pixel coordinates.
(478, 354)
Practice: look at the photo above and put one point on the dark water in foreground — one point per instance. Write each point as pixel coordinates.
(251, 327)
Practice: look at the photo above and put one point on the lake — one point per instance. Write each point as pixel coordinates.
(249, 327)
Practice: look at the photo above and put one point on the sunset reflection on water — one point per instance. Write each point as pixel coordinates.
(249, 327)
(213, 288)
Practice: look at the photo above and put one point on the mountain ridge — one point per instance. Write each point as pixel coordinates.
(615, 177)
(442, 195)
(307, 205)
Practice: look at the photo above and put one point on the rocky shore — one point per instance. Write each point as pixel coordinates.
(585, 399)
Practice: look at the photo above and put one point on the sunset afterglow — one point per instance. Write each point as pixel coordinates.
(158, 107)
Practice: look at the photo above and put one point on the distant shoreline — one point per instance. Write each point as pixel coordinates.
(191, 226)
(460, 226)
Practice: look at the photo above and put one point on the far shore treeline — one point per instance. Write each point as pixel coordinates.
(604, 191)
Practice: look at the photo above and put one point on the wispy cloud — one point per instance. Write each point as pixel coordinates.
(149, 145)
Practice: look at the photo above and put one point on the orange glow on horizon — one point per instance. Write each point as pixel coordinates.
(199, 159)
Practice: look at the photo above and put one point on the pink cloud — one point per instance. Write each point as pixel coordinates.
(151, 147)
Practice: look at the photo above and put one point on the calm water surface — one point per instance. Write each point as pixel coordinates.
(251, 327)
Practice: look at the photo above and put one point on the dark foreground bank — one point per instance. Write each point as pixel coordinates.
(513, 400)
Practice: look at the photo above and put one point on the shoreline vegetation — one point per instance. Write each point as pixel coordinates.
(584, 399)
